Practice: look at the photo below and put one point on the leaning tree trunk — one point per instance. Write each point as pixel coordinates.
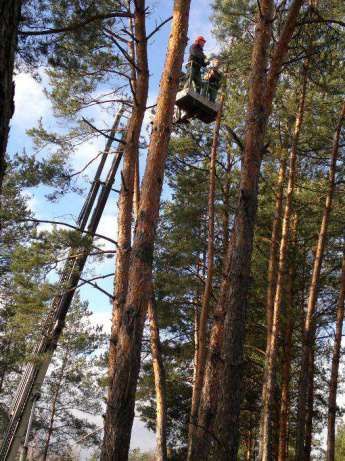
(234, 290)
(140, 87)
(313, 291)
(127, 348)
(9, 20)
(269, 384)
(333, 385)
(159, 377)
(204, 315)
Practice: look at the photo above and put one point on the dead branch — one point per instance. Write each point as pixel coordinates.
(102, 132)
(95, 285)
(60, 223)
(151, 34)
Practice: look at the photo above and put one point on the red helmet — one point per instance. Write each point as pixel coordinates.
(200, 39)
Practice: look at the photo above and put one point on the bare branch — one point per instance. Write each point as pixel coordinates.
(102, 132)
(123, 51)
(60, 223)
(158, 28)
(89, 163)
(95, 285)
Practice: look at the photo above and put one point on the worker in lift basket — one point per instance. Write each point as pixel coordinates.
(214, 79)
(197, 60)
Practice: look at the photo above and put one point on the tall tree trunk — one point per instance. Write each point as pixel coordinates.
(9, 20)
(157, 360)
(310, 404)
(285, 398)
(136, 184)
(235, 287)
(313, 291)
(266, 436)
(286, 365)
(140, 87)
(333, 385)
(272, 279)
(159, 376)
(204, 315)
(273, 259)
(226, 201)
(136, 195)
(127, 348)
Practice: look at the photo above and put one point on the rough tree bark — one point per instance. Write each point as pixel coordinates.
(9, 19)
(266, 436)
(313, 291)
(159, 377)
(234, 289)
(201, 349)
(333, 385)
(127, 347)
(140, 80)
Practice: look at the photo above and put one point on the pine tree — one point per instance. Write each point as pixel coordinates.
(72, 394)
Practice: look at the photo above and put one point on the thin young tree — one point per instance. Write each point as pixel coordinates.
(274, 247)
(333, 384)
(159, 378)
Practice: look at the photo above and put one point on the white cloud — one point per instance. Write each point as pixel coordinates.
(108, 226)
(33, 202)
(30, 102)
(104, 319)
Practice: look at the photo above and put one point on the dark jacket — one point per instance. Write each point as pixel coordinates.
(196, 55)
(214, 77)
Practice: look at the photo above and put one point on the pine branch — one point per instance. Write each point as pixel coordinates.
(77, 25)
(238, 141)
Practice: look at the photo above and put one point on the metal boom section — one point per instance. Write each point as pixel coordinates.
(35, 371)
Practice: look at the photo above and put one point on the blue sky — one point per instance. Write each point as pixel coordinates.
(31, 104)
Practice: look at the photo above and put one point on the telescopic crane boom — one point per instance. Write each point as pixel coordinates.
(35, 371)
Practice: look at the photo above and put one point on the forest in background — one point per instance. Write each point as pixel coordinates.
(228, 278)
